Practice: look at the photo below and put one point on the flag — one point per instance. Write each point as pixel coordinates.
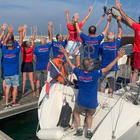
(52, 74)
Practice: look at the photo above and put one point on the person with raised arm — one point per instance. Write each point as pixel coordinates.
(27, 49)
(136, 48)
(108, 51)
(88, 84)
(24, 30)
(74, 41)
(3, 28)
(10, 54)
(41, 59)
(92, 41)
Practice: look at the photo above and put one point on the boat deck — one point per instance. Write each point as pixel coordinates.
(106, 102)
(27, 102)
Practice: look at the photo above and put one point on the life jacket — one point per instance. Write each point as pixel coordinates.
(59, 63)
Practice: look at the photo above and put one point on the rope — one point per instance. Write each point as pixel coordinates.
(135, 9)
(94, 3)
(120, 111)
(137, 13)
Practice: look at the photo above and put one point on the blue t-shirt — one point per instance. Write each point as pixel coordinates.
(109, 51)
(42, 56)
(10, 61)
(91, 41)
(15, 44)
(56, 47)
(1, 56)
(88, 86)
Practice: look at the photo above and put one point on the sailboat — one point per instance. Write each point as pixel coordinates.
(116, 118)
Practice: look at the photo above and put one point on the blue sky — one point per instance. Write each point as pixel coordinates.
(40, 12)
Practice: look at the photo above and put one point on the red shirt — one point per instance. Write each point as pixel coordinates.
(136, 28)
(27, 55)
(73, 33)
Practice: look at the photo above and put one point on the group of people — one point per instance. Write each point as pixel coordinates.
(87, 74)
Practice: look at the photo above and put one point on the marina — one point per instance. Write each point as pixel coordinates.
(27, 102)
(68, 75)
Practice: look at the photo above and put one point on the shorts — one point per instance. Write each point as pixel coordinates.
(83, 110)
(72, 47)
(12, 81)
(27, 67)
(136, 60)
(2, 73)
(41, 75)
(108, 78)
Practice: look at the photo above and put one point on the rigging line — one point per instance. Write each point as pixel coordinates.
(105, 2)
(94, 3)
(135, 9)
(120, 111)
(112, 122)
(137, 13)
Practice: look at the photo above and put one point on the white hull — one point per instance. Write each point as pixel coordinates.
(104, 120)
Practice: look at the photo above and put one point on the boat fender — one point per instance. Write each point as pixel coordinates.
(65, 116)
(50, 134)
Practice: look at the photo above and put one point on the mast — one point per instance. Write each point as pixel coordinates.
(60, 29)
(31, 32)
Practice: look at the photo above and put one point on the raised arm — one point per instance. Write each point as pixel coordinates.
(20, 30)
(67, 16)
(76, 17)
(24, 30)
(33, 36)
(34, 58)
(125, 17)
(9, 33)
(50, 31)
(119, 27)
(108, 68)
(3, 28)
(87, 16)
(107, 25)
(67, 58)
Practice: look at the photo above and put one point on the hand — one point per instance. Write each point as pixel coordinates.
(35, 29)
(25, 27)
(20, 29)
(4, 26)
(62, 50)
(109, 17)
(50, 24)
(118, 19)
(67, 11)
(76, 17)
(121, 52)
(90, 9)
(118, 5)
(10, 29)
